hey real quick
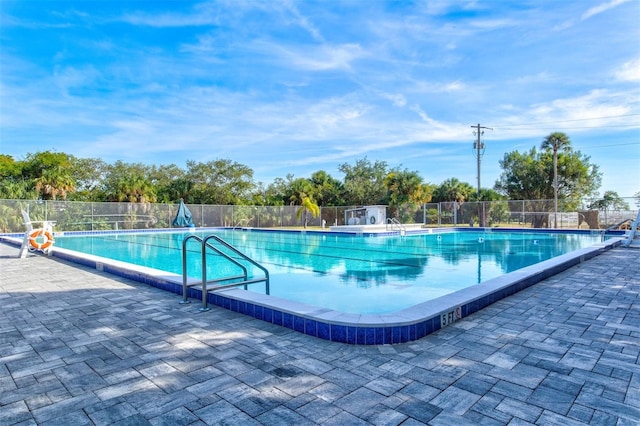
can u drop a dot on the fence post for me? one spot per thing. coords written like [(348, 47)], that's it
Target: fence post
[(455, 213)]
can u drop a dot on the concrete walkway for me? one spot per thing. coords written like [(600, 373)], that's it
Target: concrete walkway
[(80, 347)]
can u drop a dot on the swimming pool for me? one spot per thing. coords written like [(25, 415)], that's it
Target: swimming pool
[(354, 274), (351, 288)]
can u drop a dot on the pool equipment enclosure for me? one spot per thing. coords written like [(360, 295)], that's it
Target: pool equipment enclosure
[(367, 215)]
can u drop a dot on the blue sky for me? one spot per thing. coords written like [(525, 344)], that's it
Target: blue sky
[(293, 87)]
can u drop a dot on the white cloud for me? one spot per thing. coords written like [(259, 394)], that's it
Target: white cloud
[(324, 57), (603, 7), (591, 12), (70, 77), (168, 20), (630, 71), (597, 103), (541, 77), (440, 87), (303, 22), (202, 14), (493, 24), (397, 99), (598, 109)]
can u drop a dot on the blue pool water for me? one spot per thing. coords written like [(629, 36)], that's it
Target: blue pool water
[(355, 274)]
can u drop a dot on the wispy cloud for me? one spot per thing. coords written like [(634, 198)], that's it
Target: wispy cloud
[(597, 103), (397, 99), (589, 13), (303, 21), (541, 77), (493, 24), (202, 14), (322, 58), (603, 7), (439, 87), (629, 71), (597, 110)]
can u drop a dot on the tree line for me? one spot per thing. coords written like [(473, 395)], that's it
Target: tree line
[(554, 170)]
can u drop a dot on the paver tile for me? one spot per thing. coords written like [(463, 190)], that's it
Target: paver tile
[(418, 410), (519, 409)]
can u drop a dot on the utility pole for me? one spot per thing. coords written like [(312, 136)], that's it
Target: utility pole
[(478, 146)]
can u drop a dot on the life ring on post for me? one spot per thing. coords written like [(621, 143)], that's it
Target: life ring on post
[(372, 220), (46, 237)]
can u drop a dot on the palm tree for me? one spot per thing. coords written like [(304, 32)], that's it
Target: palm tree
[(54, 182), (453, 190), (555, 142), (307, 206), (406, 192)]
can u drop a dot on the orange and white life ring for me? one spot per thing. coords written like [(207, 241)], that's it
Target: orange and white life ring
[(44, 235)]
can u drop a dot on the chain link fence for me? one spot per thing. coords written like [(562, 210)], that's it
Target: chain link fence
[(90, 216), (521, 214)]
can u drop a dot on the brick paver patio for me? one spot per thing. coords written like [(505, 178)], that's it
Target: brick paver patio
[(80, 347)]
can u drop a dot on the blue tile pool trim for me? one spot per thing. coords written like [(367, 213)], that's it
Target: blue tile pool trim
[(399, 327)]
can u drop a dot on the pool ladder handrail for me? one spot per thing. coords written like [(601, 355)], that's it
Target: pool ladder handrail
[(395, 223), (244, 276), (631, 236), (239, 223)]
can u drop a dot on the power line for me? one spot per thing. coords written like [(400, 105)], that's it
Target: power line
[(521, 127), (618, 144), (570, 121), (587, 143)]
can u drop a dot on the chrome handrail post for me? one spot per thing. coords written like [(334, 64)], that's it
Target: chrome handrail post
[(184, 268), (204, 277)]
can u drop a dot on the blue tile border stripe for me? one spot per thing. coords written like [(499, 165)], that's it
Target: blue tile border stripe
[(404, 326)]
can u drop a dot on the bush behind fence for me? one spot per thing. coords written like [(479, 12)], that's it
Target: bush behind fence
[(87, 216)]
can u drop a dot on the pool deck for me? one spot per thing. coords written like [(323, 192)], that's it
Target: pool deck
[(78, 346)]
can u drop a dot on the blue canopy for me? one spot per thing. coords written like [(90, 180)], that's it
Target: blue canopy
[(183, 218)]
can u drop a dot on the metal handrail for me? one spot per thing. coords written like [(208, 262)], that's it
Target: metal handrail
[(237, 225), (204, 245), (633, 231), (204, 270), (395, 222), (241, 254), (184, 266), (603, 232)]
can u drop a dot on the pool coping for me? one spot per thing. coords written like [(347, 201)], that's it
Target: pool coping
[(402, 326)]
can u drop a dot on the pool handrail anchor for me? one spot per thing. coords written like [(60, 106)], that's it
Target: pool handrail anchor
[(46, 230), (243, 277)]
